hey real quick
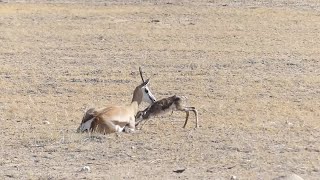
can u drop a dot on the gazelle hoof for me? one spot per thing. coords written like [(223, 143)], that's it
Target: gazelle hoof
[(128, 130)]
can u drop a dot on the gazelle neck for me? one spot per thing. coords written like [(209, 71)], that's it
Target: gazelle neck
[(137, 95), (135, 106), (136, 99)]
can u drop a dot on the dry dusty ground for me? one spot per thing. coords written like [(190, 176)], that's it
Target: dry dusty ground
[(251, 68)]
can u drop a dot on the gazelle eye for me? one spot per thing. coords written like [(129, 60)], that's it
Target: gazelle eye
[(146, 90)]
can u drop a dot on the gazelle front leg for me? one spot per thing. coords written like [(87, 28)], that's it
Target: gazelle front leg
[(130, 128), (142, 116), (139, 118), (142, 123)]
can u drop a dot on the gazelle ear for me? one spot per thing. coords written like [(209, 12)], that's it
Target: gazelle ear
[(146, 82)]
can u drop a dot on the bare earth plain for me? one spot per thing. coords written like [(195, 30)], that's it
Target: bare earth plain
[(252, 69)]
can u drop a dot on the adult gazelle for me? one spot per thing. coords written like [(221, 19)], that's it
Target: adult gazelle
[(117, 118)]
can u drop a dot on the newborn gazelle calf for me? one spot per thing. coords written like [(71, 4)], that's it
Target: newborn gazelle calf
[(170, 104)]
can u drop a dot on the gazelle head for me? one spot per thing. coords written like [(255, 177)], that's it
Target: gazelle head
[(143, 92), (147, 96), (87, 120)]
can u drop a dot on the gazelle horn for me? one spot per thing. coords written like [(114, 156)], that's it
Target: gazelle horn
[(140, 70)]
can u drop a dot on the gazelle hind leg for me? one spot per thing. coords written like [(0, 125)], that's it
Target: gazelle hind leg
[(108, 127), (187, 109), (196, 114)]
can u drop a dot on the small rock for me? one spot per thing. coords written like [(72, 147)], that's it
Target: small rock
[(85, 169), (289, 123), (155, 21), (9, 175), (233, 178), (179, 170), (46, 122)]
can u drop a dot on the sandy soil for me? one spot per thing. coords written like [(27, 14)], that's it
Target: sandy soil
[(251, 68)]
